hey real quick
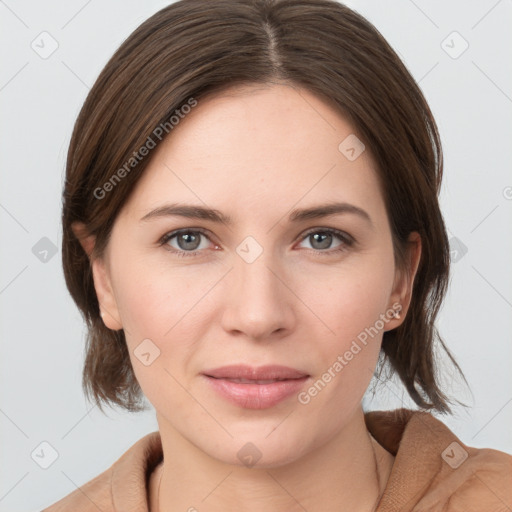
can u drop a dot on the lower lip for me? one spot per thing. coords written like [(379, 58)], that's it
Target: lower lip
[(256, 396)]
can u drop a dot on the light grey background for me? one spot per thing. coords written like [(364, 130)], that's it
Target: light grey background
[(41, 330)]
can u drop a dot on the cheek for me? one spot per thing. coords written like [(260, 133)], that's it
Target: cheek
[(352, 299), (154, 309), (154, 299), (163, 306), (351, 309)]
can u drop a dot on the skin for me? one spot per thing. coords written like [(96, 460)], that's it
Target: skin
[(256, 153)]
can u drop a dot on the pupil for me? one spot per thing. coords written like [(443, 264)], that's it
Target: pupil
[(189, 239), (322, 238)]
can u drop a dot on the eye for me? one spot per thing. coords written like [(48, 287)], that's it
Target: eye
[(322, 239), (188, 242)]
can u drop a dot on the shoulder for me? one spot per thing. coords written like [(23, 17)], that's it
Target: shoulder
[(482, 481), (90, 497), (434, 470), (122, 486)]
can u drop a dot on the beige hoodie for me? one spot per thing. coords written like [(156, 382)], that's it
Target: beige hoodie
[(433, 471)]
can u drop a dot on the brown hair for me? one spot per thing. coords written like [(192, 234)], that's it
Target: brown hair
[(196, 47)]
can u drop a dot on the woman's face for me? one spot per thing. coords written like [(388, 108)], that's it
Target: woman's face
[(271, 286)]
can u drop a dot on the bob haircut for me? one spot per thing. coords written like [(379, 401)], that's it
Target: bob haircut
[(194, 48)]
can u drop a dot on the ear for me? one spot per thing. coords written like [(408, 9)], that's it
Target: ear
[(102, 282), (404, 280)]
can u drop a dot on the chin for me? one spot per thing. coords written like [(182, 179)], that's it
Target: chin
[(260, 450)]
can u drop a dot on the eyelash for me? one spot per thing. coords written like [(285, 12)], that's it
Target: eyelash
[(347, 240)]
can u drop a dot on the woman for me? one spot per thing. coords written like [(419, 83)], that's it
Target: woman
[(251, 225)]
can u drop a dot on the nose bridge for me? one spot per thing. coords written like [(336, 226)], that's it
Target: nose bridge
[(257, 279), (258, 303)]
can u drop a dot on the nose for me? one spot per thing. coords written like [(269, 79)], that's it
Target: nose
[(258, 302)]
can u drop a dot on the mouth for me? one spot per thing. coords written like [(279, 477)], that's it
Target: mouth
[(250, 381), (255, 388), (249, 373)]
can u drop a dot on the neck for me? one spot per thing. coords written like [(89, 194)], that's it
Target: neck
[(347, 473)]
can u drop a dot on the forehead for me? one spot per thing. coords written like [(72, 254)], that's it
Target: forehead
[(258, 149)]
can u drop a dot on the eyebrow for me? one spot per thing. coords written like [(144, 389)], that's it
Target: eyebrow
[(297, 215)]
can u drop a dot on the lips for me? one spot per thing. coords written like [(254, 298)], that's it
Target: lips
[(251, 381), (255, 388), (269, 373)]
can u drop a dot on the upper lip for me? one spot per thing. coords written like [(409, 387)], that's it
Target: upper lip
[(269, 372)]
